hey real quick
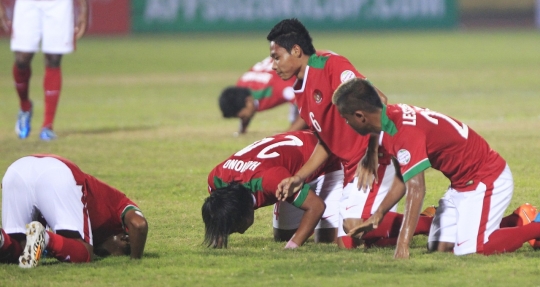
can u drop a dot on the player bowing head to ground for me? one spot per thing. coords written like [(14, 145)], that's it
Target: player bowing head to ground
[(84, 214), (469, 215), (259, 89), (248, 179)]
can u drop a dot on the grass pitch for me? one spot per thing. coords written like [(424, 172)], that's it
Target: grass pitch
[(141, 114)]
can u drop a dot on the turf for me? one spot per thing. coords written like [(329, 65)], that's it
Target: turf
[(141, 113)]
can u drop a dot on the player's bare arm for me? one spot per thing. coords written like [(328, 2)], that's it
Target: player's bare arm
[(367, 167), (290, 185), (4, 21), (298, 124), (416, 190), (395, 194), (82, 19), (314, 208), (137, 230)]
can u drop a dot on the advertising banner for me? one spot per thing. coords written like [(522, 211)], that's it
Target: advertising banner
[(246, 15)]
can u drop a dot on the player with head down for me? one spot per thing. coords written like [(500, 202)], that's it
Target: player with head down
[(470, 214), (84, 214), (259, 89), (318, 75), (247, 180)]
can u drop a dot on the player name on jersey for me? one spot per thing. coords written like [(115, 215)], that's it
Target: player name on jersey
[(240, 165)]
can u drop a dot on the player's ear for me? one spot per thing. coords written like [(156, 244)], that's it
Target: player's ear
[(360, 115), (296, 51)]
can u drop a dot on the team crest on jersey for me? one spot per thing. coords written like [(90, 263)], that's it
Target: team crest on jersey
[(347, 75), (317, 96), (403, 156)]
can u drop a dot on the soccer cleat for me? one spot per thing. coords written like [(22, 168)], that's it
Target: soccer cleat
[(47, 134), (429, 211), (35, 245), (527, 213), (22, 127)]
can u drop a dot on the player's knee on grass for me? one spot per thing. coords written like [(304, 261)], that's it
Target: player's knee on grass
[(326, 235), (439, 246)]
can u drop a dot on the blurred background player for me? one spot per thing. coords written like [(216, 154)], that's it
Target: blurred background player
[(247, 180), (259, 89), (85, 215), (469, 216), (52, 23)]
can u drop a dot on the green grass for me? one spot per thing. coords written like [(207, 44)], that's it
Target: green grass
[(141, 113)]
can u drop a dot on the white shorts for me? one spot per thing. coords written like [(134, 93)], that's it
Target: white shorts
[(44, 185), (469, 218), (47, 21), (363, 203), (328, 187)]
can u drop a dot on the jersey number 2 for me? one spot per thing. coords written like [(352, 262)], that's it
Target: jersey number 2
[(265, 152)]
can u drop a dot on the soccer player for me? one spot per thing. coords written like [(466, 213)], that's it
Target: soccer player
[(247, 180), (469, 215), (318, 75), (84, 214), (259, 89), (51, 23)]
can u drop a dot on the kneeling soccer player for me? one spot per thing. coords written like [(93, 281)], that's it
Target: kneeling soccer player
[(248, 180), (84, 214)]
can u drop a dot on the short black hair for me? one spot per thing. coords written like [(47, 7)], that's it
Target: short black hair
[(232, 100), (290, 32), (223, 210), (356, 94)]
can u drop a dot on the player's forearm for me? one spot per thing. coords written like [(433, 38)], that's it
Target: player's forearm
[(413, 203), (318, 157), (138, 230), (298, 124), (313, 210)]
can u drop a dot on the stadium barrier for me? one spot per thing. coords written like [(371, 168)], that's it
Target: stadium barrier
[(246, 15)]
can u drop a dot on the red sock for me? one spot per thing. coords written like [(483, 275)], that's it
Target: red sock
[(67, 249), (391, 224), (511, 220), (348, 242), (22, 81), (52, 84), (11, 250), (511, 239)]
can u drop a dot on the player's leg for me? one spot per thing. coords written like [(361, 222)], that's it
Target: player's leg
[(286, 219), (62, 203), (26, 35), (57, 40), (329, 188), (358, 204), (17, 208)]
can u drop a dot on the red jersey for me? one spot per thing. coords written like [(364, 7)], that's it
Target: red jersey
[(106, 205), (262, 165), (323, 74), (267, 88), (420, 138)]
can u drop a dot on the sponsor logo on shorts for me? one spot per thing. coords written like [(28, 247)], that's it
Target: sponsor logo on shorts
[(349, 207), (347, 75), (462, 242), (403, 156)]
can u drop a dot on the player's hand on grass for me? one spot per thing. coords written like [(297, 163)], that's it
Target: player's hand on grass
[(366, 226), (402, 252), (288, 187), (367, 171)]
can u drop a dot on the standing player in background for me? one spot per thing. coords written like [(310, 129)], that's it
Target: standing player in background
[(247, 180), (259, 89), (317, 77), (52, 23), (85, 214), (470, 214)]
